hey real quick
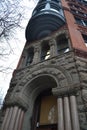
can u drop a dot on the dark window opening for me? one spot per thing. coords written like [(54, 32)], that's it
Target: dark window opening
[(62, 44), (81, 21), (73, 11), (30, 56), (85, 39), (45, 51)]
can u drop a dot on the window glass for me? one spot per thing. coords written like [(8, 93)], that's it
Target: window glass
[(85, 39), (62, 45), (81, 21), (30, 56), (45, 51)]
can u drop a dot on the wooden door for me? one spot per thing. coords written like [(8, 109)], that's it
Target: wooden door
[(45, 113)]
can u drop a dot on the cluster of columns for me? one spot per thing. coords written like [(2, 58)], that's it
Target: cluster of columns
[(67, 113), (13, 119)]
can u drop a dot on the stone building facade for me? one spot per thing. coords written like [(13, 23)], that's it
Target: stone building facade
[(48, 89)]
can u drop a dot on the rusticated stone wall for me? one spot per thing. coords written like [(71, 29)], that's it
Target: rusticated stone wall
[(81, 64), (69, 75)]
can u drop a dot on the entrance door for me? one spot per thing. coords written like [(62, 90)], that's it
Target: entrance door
[(45, 113)]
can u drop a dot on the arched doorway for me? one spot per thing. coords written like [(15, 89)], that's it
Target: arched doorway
[(35, 90)]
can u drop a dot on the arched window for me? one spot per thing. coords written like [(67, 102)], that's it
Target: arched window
[(62, 44), (45, 51), (30, 55)]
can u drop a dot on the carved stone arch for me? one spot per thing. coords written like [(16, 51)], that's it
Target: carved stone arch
[(33, 89), (26, 92), (52, 70), (38, 85), (61, 77), (59, 74)]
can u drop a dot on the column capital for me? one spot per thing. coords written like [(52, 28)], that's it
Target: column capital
[(69, 90), (36, 48), (16, 101), (52, 42)]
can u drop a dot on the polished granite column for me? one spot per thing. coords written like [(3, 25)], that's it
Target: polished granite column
[(17, 119), (13, 119), (60, 114), (67, 118), (5, 119), (21, 120), (74, 113)]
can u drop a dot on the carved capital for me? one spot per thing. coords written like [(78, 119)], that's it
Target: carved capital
[(17, 100), (69, 90), (52, 42), (36, 49)]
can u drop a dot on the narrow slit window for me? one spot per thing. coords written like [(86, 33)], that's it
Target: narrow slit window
[(30, 56), (62, 44), (45, 51), (85, 39)]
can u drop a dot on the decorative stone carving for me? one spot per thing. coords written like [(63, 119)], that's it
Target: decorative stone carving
[(24, 87), (61, 72)]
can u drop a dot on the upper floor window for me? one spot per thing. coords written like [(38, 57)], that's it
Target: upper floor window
[(30, 56), (85, 39), (78, 12), (45, 51), (62, 44), (81, 21)]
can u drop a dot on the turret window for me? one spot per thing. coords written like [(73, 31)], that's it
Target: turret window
[(81, 21), (85, 39), (45, 51), (30, 56), (62, 44)]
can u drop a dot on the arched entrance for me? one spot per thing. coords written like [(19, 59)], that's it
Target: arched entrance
[(39, 92)]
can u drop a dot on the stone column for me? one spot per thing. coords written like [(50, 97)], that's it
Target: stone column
[(8, 118), (13, 118), (53, 47), (36, 57), (67, 118), (74, 113), (21, 120), (17, 120), (60, 114), (5, 119)]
